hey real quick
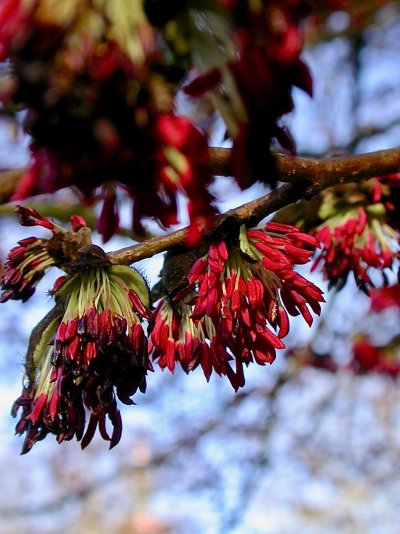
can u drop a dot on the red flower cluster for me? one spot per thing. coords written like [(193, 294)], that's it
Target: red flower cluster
[(94, 353), (385, 297), (354, 241), (180, 160), (269, 42), (26, 264), (100, 112), (367, 358), (256, 79), (237, 303)]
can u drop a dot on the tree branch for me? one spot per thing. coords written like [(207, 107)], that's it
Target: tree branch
[(307, 177), (341, 168)]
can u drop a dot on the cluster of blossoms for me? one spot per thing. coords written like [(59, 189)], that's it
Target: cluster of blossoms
[(91, 348), (356, 235), (251, 68), (100, 111), (91, 353), (26, 263), (368, 358), (269, 41), (385, 297), (237, 304), (98, 82)]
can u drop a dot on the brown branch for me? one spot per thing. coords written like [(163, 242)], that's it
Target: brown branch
[(308, 177), (250, 213), (340, 168)]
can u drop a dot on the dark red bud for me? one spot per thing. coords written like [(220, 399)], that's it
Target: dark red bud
[(38, 407)]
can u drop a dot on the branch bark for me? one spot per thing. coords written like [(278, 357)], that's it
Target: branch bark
[(337, 169), (306, 176)]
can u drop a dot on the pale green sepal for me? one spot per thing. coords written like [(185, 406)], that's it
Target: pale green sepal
[(133, 280), (327, 210), (376, 210), (244, 243), (45, 339)]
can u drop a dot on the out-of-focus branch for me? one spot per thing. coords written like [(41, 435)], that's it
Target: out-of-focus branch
[(8, 182), (157, 460), (308, 177), (370, 131), (267, 394), (363, 133)]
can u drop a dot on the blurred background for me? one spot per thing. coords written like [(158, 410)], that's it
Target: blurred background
[(308, 446)]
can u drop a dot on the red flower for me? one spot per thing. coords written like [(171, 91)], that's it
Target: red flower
[(178, 165), (252, 71), (354, 241), (26, 264), (385, 297), (86, 359), (268, 66), (368, 358), (237, 303), (13, 25), (177, 338), (99, 115)]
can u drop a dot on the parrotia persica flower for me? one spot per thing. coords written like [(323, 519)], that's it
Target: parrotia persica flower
[(237, 304), (353, 240), (248, 54), (26, 263), (100, 110), (269, 42), (98, 80), (93, 352), (369, 358), (385, 297)]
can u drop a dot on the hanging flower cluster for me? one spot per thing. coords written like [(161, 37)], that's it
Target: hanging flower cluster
[(268, 65), (356, 234), (26, 263), (385, 297), (248, 55), (368, 358), (93, 352), (100, 111), (99, 79), (237, 304)]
